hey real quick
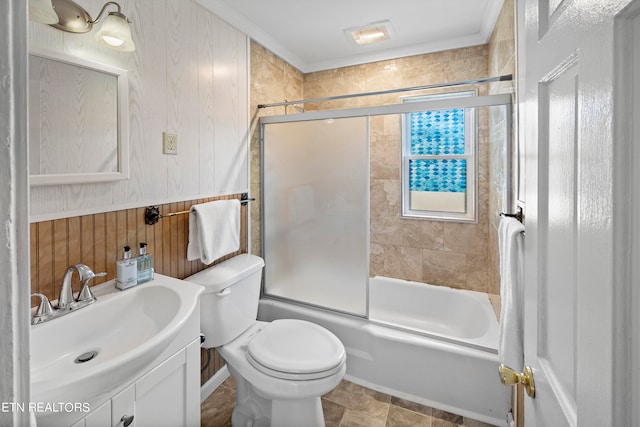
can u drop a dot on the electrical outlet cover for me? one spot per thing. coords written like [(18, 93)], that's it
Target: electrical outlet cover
[(169, 143)]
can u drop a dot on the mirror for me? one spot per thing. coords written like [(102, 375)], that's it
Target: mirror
[(78, 120)]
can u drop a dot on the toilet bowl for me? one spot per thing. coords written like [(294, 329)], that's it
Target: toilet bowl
[(282, 367)]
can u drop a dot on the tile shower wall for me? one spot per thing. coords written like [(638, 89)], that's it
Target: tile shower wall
[(440, 253), (97, 240), (272, 80), (501, 62)]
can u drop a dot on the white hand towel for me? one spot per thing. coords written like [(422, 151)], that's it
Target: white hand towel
[(511, 245), (214, 230)]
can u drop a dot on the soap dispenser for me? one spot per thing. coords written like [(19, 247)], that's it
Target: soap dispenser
[(126, 271), (145, 267)]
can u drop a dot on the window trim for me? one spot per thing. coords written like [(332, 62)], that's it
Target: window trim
[(471, 157)]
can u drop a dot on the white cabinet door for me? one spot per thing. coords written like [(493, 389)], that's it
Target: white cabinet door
[(123, 407), (169, 395), (160, 395), (99, 417)]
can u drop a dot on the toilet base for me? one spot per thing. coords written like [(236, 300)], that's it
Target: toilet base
[(254, 410)]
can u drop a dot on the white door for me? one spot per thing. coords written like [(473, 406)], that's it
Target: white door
[(566, 54)]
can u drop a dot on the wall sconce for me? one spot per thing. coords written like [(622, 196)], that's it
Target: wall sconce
[(71, 17)]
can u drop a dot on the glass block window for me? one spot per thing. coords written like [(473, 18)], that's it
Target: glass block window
[(438, 162)]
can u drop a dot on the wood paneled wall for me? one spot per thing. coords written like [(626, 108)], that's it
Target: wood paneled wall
[(188, 76), (97, 241)]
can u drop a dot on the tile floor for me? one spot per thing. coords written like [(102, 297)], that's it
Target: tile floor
[(348, 405)]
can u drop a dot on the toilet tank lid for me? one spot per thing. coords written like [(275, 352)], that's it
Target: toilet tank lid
[(228, 272)]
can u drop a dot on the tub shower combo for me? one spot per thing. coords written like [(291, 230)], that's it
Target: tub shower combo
[(430, 344)]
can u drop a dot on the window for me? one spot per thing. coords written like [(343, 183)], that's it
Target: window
[(439, 162)]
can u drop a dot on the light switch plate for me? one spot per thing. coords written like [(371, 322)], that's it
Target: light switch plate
[(169, 143)]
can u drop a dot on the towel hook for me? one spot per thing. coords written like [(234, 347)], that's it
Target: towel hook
[(519, 215)]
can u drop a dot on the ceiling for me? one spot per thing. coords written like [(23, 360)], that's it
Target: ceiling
[(309, 34)]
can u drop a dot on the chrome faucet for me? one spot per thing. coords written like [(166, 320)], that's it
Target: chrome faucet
[(66, 301), (44, 312)]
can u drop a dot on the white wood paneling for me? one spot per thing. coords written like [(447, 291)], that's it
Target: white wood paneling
[(147, 106), (206, 106), (182, 95), (230, 82), (188, 76)]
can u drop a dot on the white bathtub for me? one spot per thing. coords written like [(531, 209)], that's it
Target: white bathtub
[(429, 344)]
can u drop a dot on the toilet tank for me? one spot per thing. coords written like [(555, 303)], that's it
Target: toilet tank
[(229, 304)]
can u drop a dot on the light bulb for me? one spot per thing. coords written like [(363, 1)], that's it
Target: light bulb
[(113, 41), (115, 33)]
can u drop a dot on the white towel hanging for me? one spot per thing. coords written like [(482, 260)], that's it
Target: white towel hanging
[(214, 230), (511, 245)]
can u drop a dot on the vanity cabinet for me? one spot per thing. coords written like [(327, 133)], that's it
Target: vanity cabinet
[(97, 418), (167, 395)]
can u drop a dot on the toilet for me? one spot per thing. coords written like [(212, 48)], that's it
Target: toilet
[(281, 368)]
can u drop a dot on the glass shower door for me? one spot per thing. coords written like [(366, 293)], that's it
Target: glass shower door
[(315, 230)]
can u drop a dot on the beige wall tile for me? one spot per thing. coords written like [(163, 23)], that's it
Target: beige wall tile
[(444, 268), (423, 234), (272, 80), (376, 259), (465, 238), (385, 229), (442, 253), (385, 196), (478, 272), (403, 262)]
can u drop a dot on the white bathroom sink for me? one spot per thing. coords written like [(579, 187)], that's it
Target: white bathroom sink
[(127, 330)]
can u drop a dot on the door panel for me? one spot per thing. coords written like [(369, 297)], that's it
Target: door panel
[(566, 98), (557, 293)]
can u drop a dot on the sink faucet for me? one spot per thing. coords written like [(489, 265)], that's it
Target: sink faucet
[(44, 312), (66, 301)]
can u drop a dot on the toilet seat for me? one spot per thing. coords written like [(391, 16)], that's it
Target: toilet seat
[(295, 350)]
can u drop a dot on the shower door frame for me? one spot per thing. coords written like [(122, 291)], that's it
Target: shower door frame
[(381, 110)]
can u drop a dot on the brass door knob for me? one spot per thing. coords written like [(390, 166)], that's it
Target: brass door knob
[(510, 377)]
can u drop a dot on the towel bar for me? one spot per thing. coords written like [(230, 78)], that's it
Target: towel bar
[(152, 213)]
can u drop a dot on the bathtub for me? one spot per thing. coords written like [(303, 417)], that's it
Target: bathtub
[(428, 344)]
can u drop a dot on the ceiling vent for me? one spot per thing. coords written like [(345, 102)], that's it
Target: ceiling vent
[(370, 33)]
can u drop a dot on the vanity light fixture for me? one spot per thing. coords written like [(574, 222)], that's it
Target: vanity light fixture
[(114, 32), (370, 33)]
